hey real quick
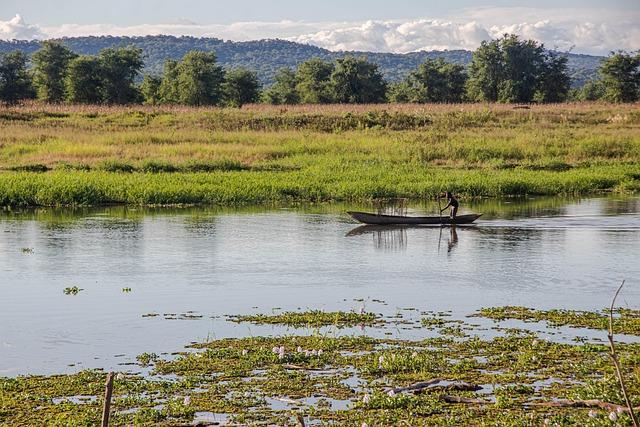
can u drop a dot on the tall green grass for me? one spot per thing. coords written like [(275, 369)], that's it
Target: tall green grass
[(142, 155), (354, 184)]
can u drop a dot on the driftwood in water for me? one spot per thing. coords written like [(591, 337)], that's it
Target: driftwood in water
[(592, 403), (432, 385)]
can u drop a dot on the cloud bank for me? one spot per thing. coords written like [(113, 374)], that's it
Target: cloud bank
[(585, 30)]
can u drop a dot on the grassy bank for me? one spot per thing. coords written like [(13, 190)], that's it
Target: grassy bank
[(519, 377), (142, 155)]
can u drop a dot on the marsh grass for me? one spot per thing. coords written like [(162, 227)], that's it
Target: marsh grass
[(258, 154), (243, 377)]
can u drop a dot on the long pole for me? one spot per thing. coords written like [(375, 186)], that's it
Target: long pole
[(108, 391)]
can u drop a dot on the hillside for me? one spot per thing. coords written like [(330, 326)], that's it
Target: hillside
[(267, 56)]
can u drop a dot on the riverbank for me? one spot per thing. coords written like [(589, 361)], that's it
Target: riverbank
[(68, 155)]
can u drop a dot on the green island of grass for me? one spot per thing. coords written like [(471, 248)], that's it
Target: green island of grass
[(313, 318), (97, 155), (625, 321)]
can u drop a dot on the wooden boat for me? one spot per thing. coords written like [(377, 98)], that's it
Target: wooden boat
[(369, 218)]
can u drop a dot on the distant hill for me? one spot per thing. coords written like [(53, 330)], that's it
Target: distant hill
[(267, 56)]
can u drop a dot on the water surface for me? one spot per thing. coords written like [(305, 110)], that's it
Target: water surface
[(187, 268)]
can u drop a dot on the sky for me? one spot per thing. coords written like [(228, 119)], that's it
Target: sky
[(584, 26)]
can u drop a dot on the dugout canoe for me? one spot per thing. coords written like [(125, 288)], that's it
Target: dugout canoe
[(375, 219)]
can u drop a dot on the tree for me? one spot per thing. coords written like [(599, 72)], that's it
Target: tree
[(240, 87), (313, 84), (169, 90), (283, 91), (357, 81), (150, 89), (83, 81), (486, 72), (523, 63), (50, 69), (621, 77), (508, 70), (593, 90), (437, 81), (118, 69), (15, 81), (399, 92), (199, 79), (554, 81)]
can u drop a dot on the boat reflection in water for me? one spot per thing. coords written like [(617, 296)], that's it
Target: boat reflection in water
[(394, 237)]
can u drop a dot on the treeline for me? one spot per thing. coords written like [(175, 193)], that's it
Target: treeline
[(507, 70)]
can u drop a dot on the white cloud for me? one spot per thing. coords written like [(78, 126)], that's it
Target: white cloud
[(595, 31), (16, 28)]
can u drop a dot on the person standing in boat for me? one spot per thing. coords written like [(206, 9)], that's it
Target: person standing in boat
[(452, 203)]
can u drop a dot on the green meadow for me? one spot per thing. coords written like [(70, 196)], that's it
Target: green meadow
[(96, 155)]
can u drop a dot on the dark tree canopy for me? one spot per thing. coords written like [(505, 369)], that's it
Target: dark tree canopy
[(119, 69), (357, 81), (199, 79), (437, 81), (312, 79), (240, 87), (513, 70), (50, 66), (621, 77), (84, 80), (283, 91), (150, 89), (15, 82)]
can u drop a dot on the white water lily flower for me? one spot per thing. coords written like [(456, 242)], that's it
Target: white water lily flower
[(592, 414), (366, 399), (299, 349), (414, 354), (187, 401), (120, 376), (381, 359), (391, 393), (364, 425), (613, 416), (547, 421), (275, 349), (314, 352), (620, 410), (307, 353), (245, 352), (320, 352)]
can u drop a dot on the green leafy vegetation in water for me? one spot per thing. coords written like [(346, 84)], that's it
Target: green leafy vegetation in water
[(625, 321), (126, 290), (313, 318), (160, 156), (72, 290), (506, 380), (27, 250)]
